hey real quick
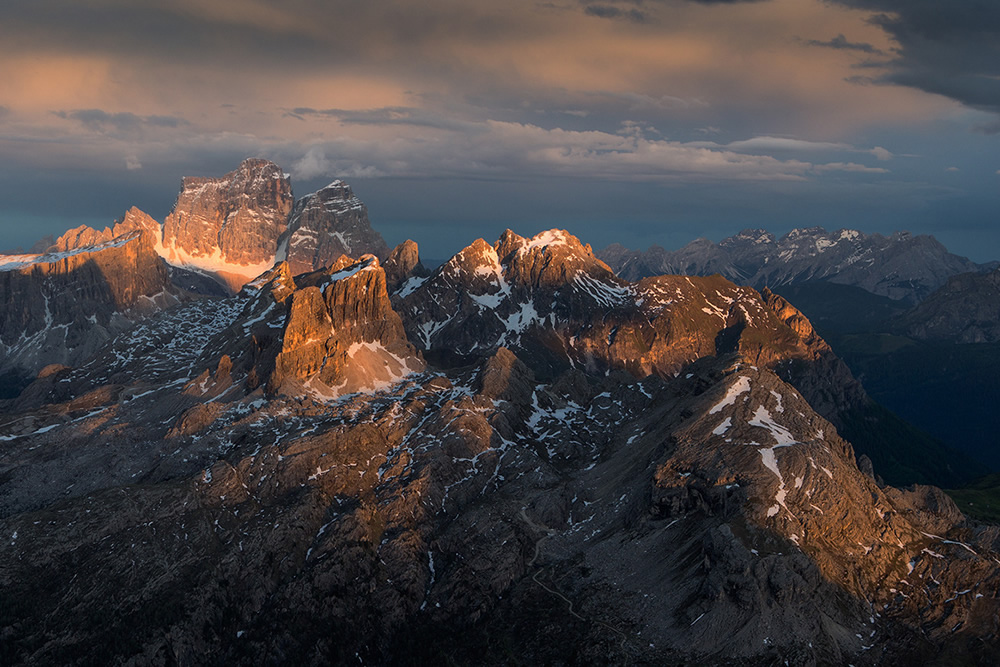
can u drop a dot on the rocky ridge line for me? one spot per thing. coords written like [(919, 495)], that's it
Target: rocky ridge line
[(901, 266)]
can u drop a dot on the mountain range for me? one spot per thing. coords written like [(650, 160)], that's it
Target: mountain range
[(519, 457), (901, 266), (220, 234)]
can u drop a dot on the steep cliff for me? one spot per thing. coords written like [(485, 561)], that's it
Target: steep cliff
[(326, 225), (61, 306)]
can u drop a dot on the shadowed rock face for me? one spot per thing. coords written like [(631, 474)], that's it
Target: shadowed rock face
[(60, 307), (706, 518), (326, 225), (965, 310), (403, 264), (901, 266)]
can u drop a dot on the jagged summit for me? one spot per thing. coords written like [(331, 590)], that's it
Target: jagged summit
[(552, 300), (61, 306), (901, 266), (235, 227), (229, 226), (966, 309), (290, 436), (747, 237), (327, 224)]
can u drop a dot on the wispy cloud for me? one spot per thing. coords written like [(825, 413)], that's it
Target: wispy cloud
[(849, 166), (609, 12), (782, 145), (382, 116), (841, 42), (512, 150), (122, 122)]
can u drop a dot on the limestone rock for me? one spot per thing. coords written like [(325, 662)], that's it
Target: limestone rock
[(60, 307), (326, 225), (230, 225), (403, 264), (706, 515), (335, 331)]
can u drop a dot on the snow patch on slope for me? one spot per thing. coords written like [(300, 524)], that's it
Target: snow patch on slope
[(741, 386)]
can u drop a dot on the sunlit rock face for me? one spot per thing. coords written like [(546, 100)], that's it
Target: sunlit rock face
[(551, 298), (83, 236), (61, 306), (230, 225), (342, 335), (233, 228), (402, 264), (240, 224)]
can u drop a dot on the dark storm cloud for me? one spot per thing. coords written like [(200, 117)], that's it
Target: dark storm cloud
[(841, 42), (724, 2), (609, 12), (947, 48), (124, 123), (309, 34)]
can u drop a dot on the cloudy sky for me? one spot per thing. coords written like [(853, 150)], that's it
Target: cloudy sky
[(638, 121)]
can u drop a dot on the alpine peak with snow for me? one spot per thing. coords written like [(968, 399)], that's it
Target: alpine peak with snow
[(255, 434), (900, 266)]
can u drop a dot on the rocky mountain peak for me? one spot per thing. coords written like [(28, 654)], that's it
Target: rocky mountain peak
[(902, 267), (62, 305), (135, 218), (552, 257), (80, 237), (748, 238), (84, 236), (341, 336), (292, 436), (402, 264), (800, 232), (795, 320), (229, 226), (964, 310), (278, 282), (233, 228), (325, 225)]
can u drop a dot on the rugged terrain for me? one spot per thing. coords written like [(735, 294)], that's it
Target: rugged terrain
[(61, 306), (518, 458), (228, 482), (232, 228), (901, 266), (936, 364), (965, 310)]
